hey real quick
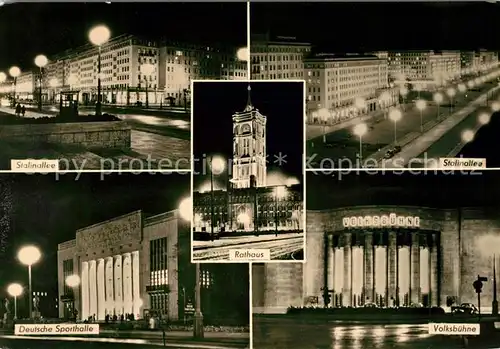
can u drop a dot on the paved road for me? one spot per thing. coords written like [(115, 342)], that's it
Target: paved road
[(277, 334), (173, 125), (16, 342), (283, 245), (345, 145)]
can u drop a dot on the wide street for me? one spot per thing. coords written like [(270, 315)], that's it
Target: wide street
[(342, 144), (282, 246), (160, 141), (298, 334)]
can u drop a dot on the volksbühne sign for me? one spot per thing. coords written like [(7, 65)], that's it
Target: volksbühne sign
[(390, 220)]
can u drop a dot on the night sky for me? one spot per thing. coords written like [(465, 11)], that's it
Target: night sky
[(356, 26), (214, 103), (29, 29), (46, 212), (419, 188)]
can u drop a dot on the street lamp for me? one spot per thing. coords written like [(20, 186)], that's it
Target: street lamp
[(3, 77), (360, 130), (147, 70), (15, 290), (395, 115), (484, 118), (40, 61), (14, 72), (29, 255), (186, 213), (451, 94), (242, 54), (279, 193), (438, 99), (470, 83), (467, 136), (421, 105), (98, 36), (73, 281), (218, 165), (462, 88)]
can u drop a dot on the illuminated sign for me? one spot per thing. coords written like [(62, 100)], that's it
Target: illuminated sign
[(390, 220)]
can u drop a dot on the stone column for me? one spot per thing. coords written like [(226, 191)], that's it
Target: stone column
[(415, 268), (331, 263), (392, 285), (118, 285), (110, 290), (127, 284), (434, 287), (136, 286), (85, 291), (347, 290), (369, 270), (93, 287), (101, 289)]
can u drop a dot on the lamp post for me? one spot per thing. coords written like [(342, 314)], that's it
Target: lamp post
[(14, 72), (438, 99), (40, 61), (451, 92), (360, 130), (73, 281), (279, 193), (29, 255), (98, 36), (147, 70), (186, 214), (3, 77), (243, 54), (421, 105), (216, 164), (395, 115), (15, 290)]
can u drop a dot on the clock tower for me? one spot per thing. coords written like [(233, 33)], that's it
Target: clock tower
[(249, 147)]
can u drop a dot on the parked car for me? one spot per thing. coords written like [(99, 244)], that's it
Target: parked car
[(465, 308)]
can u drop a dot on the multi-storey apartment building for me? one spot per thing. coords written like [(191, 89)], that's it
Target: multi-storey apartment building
[(346, 86), (277, 58), (424, 69), (132, 67)]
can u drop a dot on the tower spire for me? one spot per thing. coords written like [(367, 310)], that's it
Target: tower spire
[(249, 106)]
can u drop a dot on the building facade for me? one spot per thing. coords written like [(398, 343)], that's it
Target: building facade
[(249, 147), (127, 265), (342, 87), (277, 58), (133, 68), (268, 208), (424, 69), (390, 256)]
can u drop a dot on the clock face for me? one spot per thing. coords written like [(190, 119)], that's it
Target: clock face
[(246, 128)]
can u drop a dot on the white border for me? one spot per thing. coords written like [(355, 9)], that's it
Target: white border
[(249, 64), (303, 183), (250, 297)]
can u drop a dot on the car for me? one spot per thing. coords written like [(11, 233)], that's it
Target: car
[(370, 305), (389, 154), (465, 308), (397, 149)]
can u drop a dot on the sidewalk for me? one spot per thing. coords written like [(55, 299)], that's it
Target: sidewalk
[(224, 242), (419, 145)]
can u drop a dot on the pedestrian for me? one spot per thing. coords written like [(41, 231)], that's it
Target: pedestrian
[(18, 109), (23, 110)]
